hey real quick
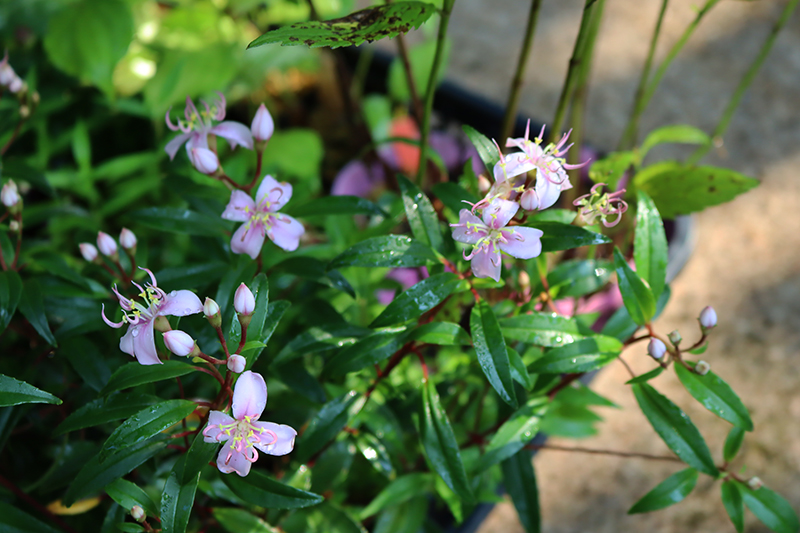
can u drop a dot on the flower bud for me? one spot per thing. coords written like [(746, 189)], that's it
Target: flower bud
[(675, 337), (17, 86), (524, 280), (708, 318), (211, 310), (656, 348), (106, 244), (754, 483), (13, 225), (702, 368), (137, 513), (88, 251), (263, 126), (243, 301), (9, 194), (236, 363), (484, 184), (127, 239), (204, 160), (179, 343), (529, 201)]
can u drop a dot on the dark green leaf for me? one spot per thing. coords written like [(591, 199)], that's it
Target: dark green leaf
[(372, 24), (441, 333), (670, 491), (274, 315), (453, 196), (192, 275), (336, 205), (406, 517), (516, 432), (259, 489), (128, 494), (31, 305), (519, 479), (420, 214), (611, 168), (321, 338), (104, 410), (636, 295), (650, 244), (770, 507), (375, 453), (541, 329), (675, 428), (240, 521), (12, 520), (198, 456), (398, 491), (87, 360), (15, 392), (519, 372), (678, 133), (733, 443), (333, 416), (679, 189), (647, 376), (386, 251), (315, 270), (10, 292), (734, 505), (367, 351), (418, 299), (620, 326), (295, 376), (579, 277), (486, 149), (180, 220), (490, 346), (716, 396), (559, 236), (579, 356), (133, 374), (177, 500)]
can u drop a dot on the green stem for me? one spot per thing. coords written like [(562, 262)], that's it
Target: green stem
[(744, 84), (628, 139), (519, 75), (425, 127)]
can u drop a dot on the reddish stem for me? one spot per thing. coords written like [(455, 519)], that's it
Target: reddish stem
[(36, 505)]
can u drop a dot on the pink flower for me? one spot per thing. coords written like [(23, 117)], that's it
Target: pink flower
[(203, 160), (139, 340), (88, 251), (199, 125), (106, 244), (490, 236), (243, 300), (9, 78), (243, 432), (261, 218)]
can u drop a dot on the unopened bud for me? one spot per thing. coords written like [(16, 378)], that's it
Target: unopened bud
[(702, 368), (656, 348), (263, 126), (675, 337), (161, 324), (14, 225), (106, 244), (211, 310), (243, 301), (754, 483), (236, 363), (204, 160), (137, 513), (529, 201), (484, 184), (179, 342), (9, 195), (524, 280), (708, 318), (24, 111), (88, 251), (127, 239)]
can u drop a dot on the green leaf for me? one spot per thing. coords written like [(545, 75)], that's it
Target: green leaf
[(386, 251), (734, 505), (490, 346), (453, 196), (104, 410), (516, 432), (421, 216), (733, 442), (441, 333), (439, 443), (128, 494), (180, 220), (770, 507), (541, 329), (94, 475), (418, 299), (259, 489), (87, 360), (240, 521), (678, 133), (611, 168), (579, 356), (519, 479), (336, 205), (579, 277), (10, 292), (669, 492), (485, 147), (375, 453), (519, 372), (12, 520), (87, 38), (716, 396), (650, 244), (647, 376), (330, 420), (200, 453), (398, 491), (559, 236), (31, 305), (620, 326), (679, 189), (177, 500), (320, 338), (368, 351), (675, 428), (636, 295), (372, 24), (15, 392), (145, 424), (133, 374), (275, 313), (406, 517)]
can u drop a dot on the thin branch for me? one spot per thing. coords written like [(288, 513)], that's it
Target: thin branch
[(596, 451)]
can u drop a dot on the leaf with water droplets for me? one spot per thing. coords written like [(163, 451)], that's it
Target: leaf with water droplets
[(541, 329), (385, 251), (133, 374), (419, 298), (669, 492), (259, 489), (515, 433), (420, 214), (716, 396), (490, 347), (579, 356)]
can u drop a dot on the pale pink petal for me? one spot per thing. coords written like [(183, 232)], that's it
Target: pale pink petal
[(197, 139), (248, 239), (499, 213), (175, 144), (272, 195), (106, 320), (229, 460), (240, 207), (144, 343), (547, 191), (249, 396), (486, 263), (470, 230), (235, 133), (126, 342), (181, 303), (512, 165), (523, 243), (286, 232), (278, 439), (212, 432)]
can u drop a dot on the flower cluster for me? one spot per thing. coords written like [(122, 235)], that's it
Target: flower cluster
[(601, 205), (108, 246)]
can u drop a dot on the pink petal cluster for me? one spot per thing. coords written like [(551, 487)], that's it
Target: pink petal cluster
[(139, 340), (9, 78), (261, 218), (243, 433)]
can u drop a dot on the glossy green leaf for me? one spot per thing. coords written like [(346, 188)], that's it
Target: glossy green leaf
[(650, 244), (611, 168), (519, 372), (336, 205), (398, 491), (579, 356), (636, 295), (375, 453), (384, 21), (490, 347), (320, 338), (31, 305), (192, 275), (453, 196), (678, 133), (418, 299), (240, 521), (647, 376), (734, 505), (420, 214), (145, 424), (406, 517), (439, 443), (621, 326), (259, 489), (669, 492), (128, 494), (328, 422), (177, 499), (368, 351), (579, 277), (133, 374), (771, 508), (486, 149), (385, 251), (275, 313), (87, 360), (716, 396), (733, 443), (679, 189), (13, 520), (541, 329), (15, 392), (675, 428), (315, 270), (441, 333), (200, 453), (104, 410), (180, 220), (295, 376), (519, 479), (515, 432), (10, 292)]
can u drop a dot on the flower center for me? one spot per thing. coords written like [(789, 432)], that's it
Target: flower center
[(153, 298), (245, 435)]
